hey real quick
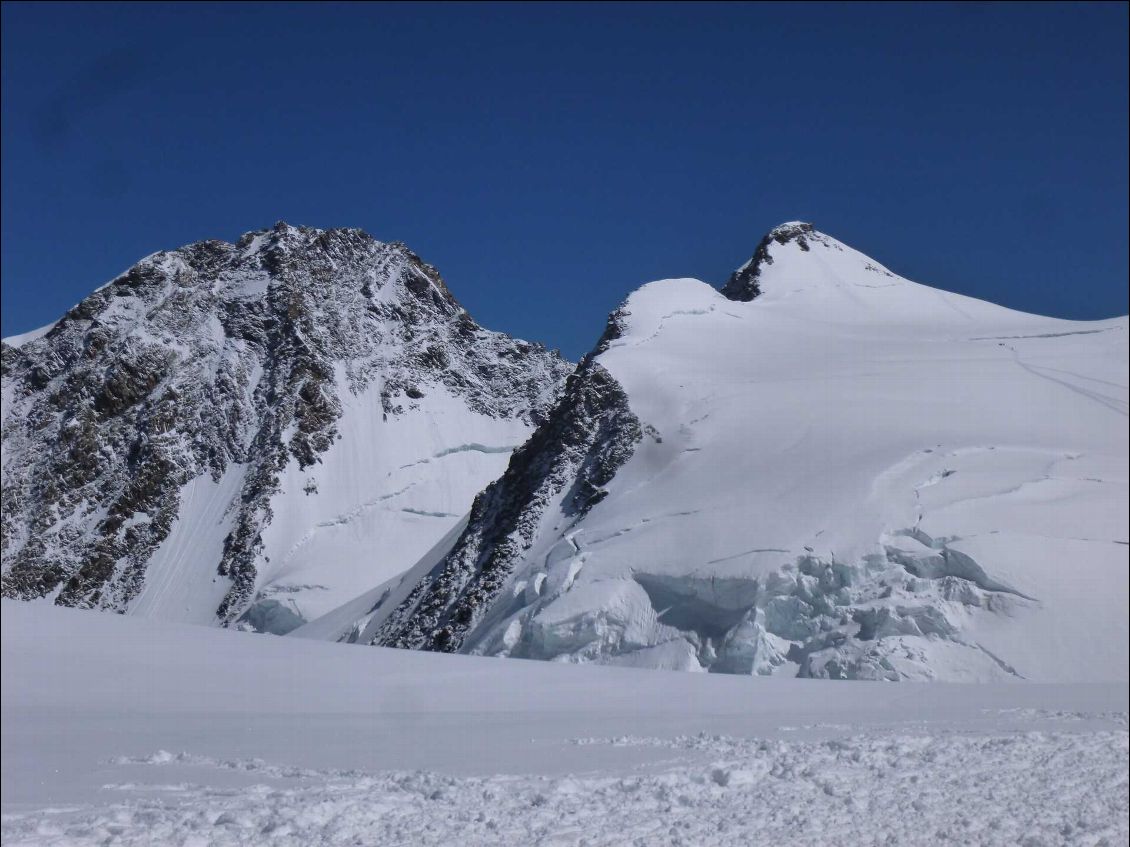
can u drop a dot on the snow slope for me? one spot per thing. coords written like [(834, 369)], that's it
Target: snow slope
[(120, 730), (254, 432), (825, 470)]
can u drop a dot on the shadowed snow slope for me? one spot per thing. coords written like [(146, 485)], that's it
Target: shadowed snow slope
[(826, 471), (120, 730), (254, 432)]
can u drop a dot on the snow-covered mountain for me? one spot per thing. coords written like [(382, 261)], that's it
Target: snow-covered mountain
[(824, 470), (254, 432)]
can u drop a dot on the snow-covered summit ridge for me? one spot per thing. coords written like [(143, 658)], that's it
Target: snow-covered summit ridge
[(744, 282), (267, 425), (824, 281), (267, 250), (811, 255)]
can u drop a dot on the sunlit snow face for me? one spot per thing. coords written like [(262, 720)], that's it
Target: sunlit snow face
[(790, 445)]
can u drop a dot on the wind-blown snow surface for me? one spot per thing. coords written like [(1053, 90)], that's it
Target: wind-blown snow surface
[(128, 731), (848, 475)]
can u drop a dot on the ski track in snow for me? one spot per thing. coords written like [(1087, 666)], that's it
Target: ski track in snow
[(1027, 787), (1115, 404), (1041, 335)]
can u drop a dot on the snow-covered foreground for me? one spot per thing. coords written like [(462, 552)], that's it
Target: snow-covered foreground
[(129, 731)]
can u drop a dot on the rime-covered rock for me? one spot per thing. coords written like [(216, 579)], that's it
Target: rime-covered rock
[(255, 430)]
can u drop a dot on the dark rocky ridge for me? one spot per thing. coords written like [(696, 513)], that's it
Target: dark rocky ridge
[(745, 283), (587, 437), (216, 355)]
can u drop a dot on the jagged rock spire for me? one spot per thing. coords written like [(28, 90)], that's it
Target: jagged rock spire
[(744, 284)]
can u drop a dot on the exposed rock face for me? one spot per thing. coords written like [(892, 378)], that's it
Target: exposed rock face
[(588, 436), (745, 283), (218, 359)]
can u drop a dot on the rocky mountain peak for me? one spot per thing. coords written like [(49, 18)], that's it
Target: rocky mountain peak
[(790, 231), (745, 283), (216, 358)]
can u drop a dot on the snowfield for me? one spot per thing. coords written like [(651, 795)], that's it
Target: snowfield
[(127, 731)]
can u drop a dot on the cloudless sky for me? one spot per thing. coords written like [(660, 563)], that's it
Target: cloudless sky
[(549, 159)]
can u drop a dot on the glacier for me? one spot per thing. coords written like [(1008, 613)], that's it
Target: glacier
[(823, 470)]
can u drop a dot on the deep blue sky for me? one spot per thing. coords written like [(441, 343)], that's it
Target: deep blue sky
[(549, 159)]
